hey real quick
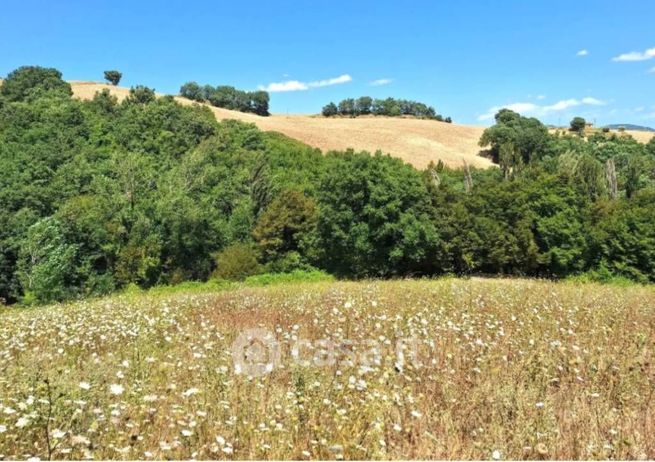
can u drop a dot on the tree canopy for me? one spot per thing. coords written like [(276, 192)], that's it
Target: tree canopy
[(98, 195), (228, 97)]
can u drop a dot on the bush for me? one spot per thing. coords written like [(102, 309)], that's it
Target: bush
[(283, 278), (236, 262)]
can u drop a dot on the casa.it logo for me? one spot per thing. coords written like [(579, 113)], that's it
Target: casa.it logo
[(256, 352)]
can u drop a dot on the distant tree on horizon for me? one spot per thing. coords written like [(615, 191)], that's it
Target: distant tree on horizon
[(113, 77), (578, 125), (330, 110)]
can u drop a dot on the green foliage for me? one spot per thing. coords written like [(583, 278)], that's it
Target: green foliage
[(528, 136), (31, 81), (288, 278), (578, 125), (286, 225), (113, 77), (46, 263), (228, 97), (330, 110), (373, 217), (99, 195), (141, 95), (236, 262), (365, 105)]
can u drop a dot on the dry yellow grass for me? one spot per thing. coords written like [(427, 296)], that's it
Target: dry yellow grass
[(507, 369), (415, 141), (639, 135)]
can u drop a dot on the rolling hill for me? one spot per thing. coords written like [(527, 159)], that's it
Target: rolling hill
[(415, 141)]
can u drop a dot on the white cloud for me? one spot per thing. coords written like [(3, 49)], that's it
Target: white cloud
[(636, 55), (561, 105), (582, 52), (345, 78), (537, 110), (540, 97), (593, 101), (295, 85), (522, 108), (380, 82), (290, 85)]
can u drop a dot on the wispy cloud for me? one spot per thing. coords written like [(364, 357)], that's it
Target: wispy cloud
[(539, 110), (380, 82), (651, 70), (296, 85), (583, 52), (636, 55)]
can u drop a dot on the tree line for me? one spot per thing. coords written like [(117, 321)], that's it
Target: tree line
[(228, 97), (365, 105), (99, 195)]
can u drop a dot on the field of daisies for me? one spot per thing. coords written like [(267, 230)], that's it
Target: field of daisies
[(496, 369)]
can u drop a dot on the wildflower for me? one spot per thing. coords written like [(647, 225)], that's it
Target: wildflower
[(416, 414), (3, 428), (496, 455), (190, 392), (539, 404), (80, 440), (220, 440), (186, 433), (228, 450), (116, 389), (58, 434), (22, 422), (85, 386)]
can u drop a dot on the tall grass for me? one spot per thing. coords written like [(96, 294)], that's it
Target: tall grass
[(511, 369)]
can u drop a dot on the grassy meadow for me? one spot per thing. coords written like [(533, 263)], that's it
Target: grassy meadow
[(505, 369)]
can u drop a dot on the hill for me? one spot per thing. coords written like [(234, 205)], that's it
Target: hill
[(415, 141), (630, 127)]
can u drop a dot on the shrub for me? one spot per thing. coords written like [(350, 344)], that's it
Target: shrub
[(294, 276), (236, 262)]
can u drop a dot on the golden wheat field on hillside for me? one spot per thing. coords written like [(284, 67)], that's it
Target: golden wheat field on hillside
[(417, 142), (441, 369)]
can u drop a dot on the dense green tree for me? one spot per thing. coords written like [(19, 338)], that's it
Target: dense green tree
[(347, 107), (46, 263), (373, 217), (113, 77), (28, 80), (578, 125), (286, 225), (363, 105), (529, 136), (330, 110), (192, 91)]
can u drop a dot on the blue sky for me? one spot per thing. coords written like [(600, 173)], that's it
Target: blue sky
[(465, 58)]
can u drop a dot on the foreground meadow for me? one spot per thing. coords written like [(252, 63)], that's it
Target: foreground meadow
[(499, 369)]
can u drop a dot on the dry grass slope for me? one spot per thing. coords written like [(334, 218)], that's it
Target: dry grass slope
[(518, 369), (415, 141)]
